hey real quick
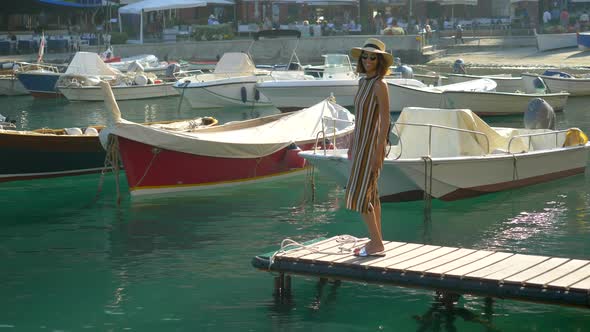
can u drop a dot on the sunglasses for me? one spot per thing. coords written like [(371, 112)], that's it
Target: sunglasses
[(366, 56)]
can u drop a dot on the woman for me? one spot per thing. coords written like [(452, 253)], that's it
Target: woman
[(371, 134)]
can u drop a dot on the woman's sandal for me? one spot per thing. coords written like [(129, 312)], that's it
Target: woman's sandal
[(362, 252)]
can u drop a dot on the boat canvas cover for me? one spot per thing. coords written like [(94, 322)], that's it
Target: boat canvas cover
[(87, 63), (245, 139), (235, 62), (449, 142), (479, 85)]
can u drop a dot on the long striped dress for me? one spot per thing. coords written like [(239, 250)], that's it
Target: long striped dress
[(361, 188)]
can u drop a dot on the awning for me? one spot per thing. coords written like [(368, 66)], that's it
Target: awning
[(580, 1), (319, 2), (516, 1), (81, 4), (153, 5), (458, 2)]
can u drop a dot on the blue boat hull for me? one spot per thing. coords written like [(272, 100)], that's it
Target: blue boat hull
[(40, 84), (584, 41)]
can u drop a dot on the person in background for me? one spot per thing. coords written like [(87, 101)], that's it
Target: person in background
[(378, 23), (584, 20), (459, 34), (555, 14), (564, 18), (267, 24), (546, 16), (369, 144), (212, 20)]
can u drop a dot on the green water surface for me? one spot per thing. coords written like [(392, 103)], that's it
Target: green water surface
[(71, 259)]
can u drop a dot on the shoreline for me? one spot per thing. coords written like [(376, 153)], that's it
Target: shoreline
[(484, 53)]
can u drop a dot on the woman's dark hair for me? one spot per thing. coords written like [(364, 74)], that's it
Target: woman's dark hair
[(381, 70)]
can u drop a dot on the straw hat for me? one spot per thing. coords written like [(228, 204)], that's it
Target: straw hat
[(373, 45)]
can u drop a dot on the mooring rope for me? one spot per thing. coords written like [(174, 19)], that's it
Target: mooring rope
[(289, 244), (514, 168), (309, 184), (155, 152), (427, 183), (111, 161)]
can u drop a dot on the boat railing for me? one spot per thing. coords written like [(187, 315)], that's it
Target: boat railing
[(430, 127), (322, 132), (37, 66), (187, 73), (529, 136)]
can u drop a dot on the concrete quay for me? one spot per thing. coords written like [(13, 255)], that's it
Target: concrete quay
[(264, 51)]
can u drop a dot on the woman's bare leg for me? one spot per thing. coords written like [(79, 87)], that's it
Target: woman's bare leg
[(376, 243)]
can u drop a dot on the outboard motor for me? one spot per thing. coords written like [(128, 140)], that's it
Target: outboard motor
[(135, 66), (397, 61), (172, 69), (405, 71), (459, 67), (539, 115)]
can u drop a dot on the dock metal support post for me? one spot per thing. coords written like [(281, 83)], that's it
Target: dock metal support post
[(287, 289), (282, 285), (277, 286)]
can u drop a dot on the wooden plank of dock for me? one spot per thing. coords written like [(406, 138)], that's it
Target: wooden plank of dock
[(555, 280)]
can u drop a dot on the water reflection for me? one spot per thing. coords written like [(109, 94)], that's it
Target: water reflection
[(445, 311), (31, 113)]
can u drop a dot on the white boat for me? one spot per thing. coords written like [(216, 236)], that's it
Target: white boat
[(554, 41), (561, 82), (232, 83), (408, 95), (504, 82), (87, 70), (338, 79), (501, 103), (480, 99), (453, 154), (121, 92), (11, 86), (149, 62)]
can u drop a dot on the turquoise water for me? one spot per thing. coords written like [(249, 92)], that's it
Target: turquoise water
[(73, 260)]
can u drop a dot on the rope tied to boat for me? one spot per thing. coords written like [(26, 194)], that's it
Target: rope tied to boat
[(347, 244), (427, 184), (514, 168), (155, 153), (111, 162), (309, 184)]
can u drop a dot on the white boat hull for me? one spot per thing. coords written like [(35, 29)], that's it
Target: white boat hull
[(298, 94), (499, 103), (401, 97), (462, 177), (546, 42), (504, 83), (480, 102), (574, 86), (394, 186), (94, 93), (224, 93), (11, 86)]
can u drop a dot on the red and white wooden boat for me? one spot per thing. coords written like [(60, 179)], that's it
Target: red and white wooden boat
[(159, 161)]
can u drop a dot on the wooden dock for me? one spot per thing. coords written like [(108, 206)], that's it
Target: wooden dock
[(562, 281)]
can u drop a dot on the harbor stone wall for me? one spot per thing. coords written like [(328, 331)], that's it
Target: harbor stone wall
[(268, 51)]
